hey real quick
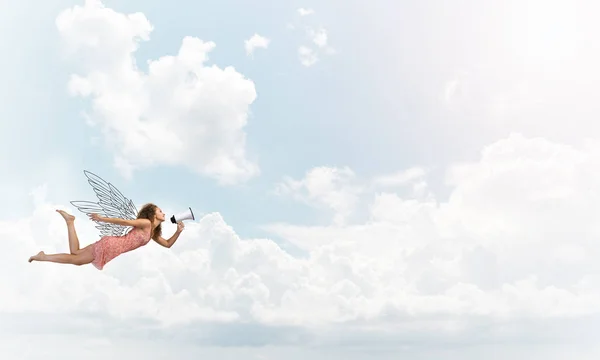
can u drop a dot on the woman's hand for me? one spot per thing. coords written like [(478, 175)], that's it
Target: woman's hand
[(95, 217), (180, 226)]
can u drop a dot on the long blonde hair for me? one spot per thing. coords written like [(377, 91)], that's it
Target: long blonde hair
[(148, 212)]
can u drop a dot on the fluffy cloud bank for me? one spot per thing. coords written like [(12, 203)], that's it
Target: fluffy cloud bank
[(515, 240), (182, 112)]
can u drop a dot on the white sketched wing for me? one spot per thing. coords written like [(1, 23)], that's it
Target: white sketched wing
[(111, 203)]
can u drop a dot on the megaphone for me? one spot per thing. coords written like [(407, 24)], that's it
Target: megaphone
[(186, 215)]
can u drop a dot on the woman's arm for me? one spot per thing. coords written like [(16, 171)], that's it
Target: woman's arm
[(117, 221), (168, 243)]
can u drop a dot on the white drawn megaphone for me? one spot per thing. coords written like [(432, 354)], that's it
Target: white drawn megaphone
[(186, 215)]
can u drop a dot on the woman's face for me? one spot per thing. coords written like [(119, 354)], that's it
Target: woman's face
[(158, 213)]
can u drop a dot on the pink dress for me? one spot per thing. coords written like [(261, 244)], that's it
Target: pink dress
[(109, 247)]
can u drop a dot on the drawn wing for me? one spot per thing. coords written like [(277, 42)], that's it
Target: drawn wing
[(111, 203)]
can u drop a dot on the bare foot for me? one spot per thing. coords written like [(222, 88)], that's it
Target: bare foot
[(68, 217), (37, 257)]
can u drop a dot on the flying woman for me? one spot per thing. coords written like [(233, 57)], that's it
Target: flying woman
[(146, 226)]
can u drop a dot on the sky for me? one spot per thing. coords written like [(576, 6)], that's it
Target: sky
[(415, 179)]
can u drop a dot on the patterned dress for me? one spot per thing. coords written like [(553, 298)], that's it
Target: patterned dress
[(109, 247)]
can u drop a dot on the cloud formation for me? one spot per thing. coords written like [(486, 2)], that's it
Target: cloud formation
[(515, 240), (255, 42), (325, 187), (182, 112), (305, 12), (309, 55)]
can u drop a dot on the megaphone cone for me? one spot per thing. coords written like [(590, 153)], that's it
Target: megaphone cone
[(186, 215)]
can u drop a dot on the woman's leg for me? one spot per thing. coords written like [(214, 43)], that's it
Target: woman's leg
[(73, 240), (84, 256)]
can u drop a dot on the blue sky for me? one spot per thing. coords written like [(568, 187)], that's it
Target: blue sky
[(300, 114), (357, 108), (373, 106), (433, 176)]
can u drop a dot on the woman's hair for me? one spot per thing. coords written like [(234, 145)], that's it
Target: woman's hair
[(147, 212)]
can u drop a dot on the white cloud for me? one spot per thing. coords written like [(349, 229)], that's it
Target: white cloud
[(307, 56), (183, 112), (256, 41), (319, 37), (401, 177), (413, 177), (327, 187), (514, 240), (450, 90), (305, 12)]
